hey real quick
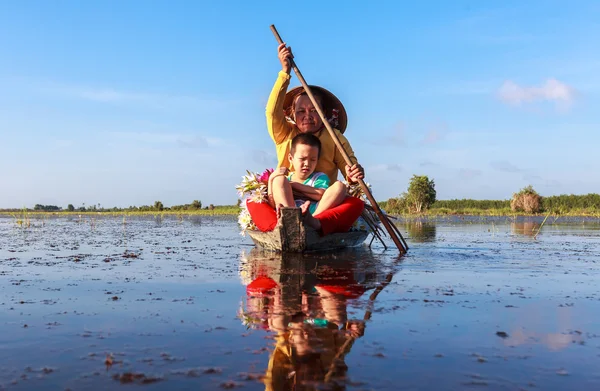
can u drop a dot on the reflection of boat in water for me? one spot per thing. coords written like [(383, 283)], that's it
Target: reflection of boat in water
[(303, 300), (291, 235)]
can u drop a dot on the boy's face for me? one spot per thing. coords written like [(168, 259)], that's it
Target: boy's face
[(304, 338), (304, 160)]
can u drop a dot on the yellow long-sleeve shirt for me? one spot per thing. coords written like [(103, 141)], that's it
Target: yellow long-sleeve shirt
[(335, 345), (282, 133)]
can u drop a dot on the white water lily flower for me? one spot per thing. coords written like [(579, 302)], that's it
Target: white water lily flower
[(257, 196), (245, 221), (252, 189)]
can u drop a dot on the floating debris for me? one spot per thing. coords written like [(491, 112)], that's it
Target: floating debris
[(130, 377)]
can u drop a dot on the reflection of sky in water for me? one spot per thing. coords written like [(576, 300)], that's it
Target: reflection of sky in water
[(175, 315)]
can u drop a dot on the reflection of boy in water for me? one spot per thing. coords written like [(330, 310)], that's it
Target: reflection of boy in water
[(307, 309), (306, 355)]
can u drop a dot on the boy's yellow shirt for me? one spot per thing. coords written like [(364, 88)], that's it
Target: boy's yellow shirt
[(282, 133)]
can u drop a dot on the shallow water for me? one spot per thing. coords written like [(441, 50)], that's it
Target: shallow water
[(180, 304)]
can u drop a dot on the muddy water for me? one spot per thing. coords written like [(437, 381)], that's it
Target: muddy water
[(189, 304)]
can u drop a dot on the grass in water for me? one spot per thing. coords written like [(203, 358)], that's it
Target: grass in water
[(540, 227), (22, 219)]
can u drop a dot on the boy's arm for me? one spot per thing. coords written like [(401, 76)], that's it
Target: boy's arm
[(305, 191), (278, 127), (314, 192)]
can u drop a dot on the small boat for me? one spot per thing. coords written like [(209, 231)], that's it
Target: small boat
[(292, 235)]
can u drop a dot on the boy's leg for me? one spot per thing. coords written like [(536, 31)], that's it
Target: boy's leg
[(308, 218), (282, 192), (333, 196)]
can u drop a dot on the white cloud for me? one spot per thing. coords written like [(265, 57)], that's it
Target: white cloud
[(193, 142), (552, 90), (264, 158), (504, 165), (110, 95), (435, 130), (468, 173), (537, 180), (427, 163), (432, 137), (386, 167), (144, 99), (167, 139), (532, 178), (394, 138)]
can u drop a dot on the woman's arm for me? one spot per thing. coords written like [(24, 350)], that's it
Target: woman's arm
[(278, 128)]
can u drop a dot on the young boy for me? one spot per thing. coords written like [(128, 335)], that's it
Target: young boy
[(303, 187)]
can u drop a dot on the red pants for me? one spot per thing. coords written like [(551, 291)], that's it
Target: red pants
[(338, 219)]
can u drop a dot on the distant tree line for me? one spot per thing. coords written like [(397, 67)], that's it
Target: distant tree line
[(46, 208), (157, 207), (552, 204), (421, 197), (471, 204), (566, 202)]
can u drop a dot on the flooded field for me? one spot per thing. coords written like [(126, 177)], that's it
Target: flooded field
[(168, 303)]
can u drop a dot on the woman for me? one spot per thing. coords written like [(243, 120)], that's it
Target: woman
[(290, 113)]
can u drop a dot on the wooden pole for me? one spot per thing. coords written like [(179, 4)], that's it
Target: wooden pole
[(367, 316), (386, 223)]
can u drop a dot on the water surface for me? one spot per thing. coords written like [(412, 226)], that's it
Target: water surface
[(168, 303)]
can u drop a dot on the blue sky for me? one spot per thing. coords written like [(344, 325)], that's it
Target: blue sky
[(125, 103)]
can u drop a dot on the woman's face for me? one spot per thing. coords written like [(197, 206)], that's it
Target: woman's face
[(305, 115)]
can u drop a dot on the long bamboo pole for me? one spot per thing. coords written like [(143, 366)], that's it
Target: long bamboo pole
[(367, 317), (386, 223)]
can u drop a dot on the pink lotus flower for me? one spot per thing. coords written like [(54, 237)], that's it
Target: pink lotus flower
[(264, 177)]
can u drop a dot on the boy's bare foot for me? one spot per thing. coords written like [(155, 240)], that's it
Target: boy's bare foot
[(304, 208), (311, 221), (278, 211)]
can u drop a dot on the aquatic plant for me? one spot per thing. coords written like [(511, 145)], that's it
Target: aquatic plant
[(22, 220)]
